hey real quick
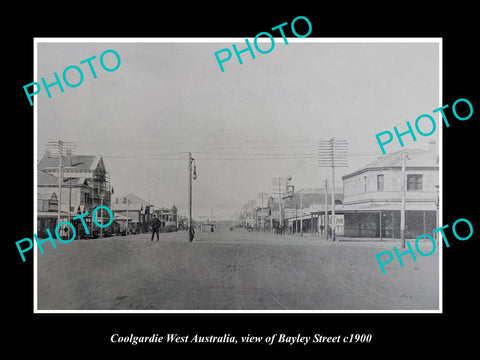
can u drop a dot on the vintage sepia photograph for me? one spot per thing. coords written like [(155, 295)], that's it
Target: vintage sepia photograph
[(164, 184)]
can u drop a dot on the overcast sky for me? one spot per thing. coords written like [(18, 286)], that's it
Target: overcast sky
[(244, 126)]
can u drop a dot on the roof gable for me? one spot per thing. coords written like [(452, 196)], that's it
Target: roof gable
[(415, 158), (134, 199), (79, 162)]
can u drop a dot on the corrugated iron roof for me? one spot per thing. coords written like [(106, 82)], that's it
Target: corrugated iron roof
[(84, 162), (415, 158), (46, 179), (125, 207)]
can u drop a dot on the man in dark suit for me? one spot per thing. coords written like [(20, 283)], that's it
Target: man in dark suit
[(155, 226)]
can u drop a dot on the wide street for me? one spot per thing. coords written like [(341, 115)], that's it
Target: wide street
[(234, 270)]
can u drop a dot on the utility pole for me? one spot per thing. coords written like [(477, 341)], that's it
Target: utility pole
[(402, 212), (332, 153), (301, 214), (262, 195), (60, 179), (333, 194), (262, 215), (271, 216), (280, 194), (69, 166), (437, 203), (190, 177), (128, 216), (296, 218), (59, 146), (325, 222), (69, 203), (280, 223), (190, 195), (101, 214)]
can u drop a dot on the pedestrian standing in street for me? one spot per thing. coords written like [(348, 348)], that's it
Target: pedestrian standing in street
[(192, 233), (321, 229), (155, 227)]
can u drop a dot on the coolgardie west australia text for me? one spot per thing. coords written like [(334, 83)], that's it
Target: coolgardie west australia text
[(280, 338)]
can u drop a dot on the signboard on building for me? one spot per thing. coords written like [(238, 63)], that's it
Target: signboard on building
[(339, 222)]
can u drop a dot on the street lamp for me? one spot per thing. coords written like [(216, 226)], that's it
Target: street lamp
[(194, 170)]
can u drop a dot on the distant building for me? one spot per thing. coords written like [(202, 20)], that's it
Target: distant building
[(208, 226), (134, 211), (313, 196), (168, 218), (139, 214), (273, 204), (262, 218), (305, 210), (85, 186), (247, 216), (372, 196)]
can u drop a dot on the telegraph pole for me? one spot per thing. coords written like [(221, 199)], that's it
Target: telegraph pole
[(190, 177), (60, 179), (325, 222), (101, 214), (332, 153), (128, 217), (262, 195), (280, 223), (402, 212), (59, 146), (189, 195), (280, 194), (333, 194), (301, 214), (69, 203), (271, 217), (296, 218)]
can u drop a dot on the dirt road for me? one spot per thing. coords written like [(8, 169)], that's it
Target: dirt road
[(231, 271)]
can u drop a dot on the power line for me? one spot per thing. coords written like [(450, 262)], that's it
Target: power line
[(146, 155), (236, 153), (261, 158), (208, 149)]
